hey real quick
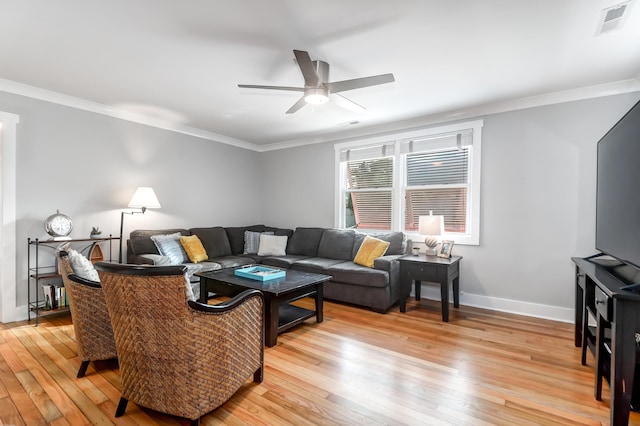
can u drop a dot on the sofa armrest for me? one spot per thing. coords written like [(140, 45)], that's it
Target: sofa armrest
[(385, 263)]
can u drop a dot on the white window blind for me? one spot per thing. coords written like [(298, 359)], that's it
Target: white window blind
[(437, 181), (389, 184), (369, 186)]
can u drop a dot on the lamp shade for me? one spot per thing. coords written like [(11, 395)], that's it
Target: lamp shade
[(431, 225), (144, 198)]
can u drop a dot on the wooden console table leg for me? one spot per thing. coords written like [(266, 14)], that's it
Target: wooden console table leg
[(444, 296), (319, 303), (271, 322), (417, 288), (456, 292)]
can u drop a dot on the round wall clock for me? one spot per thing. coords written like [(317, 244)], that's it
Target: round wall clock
[(58, 225)]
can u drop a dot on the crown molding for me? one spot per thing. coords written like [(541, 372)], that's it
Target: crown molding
[(78, 103), (581, 93), (600, 90)]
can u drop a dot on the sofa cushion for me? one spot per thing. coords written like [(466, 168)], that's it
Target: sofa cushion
[(272, 245), (233, 261), (304, 241), (156, 259), (214, 240), (337, 244), (370, 249), (252, 241), (140, 240), (316, 265), (395, 239), (169, 245), (350, 273), (194, 248), (282, 261), (235, 234)]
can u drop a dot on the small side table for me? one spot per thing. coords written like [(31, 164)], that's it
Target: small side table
[(440, 270)]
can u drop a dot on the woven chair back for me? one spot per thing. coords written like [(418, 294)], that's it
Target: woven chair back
[(175, 359), (91, 322)]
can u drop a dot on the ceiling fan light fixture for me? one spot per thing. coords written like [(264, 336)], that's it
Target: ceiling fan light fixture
[(316, 96)]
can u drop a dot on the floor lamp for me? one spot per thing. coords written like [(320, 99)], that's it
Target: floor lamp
[(143, 199)]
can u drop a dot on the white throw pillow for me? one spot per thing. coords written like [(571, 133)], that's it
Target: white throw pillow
[(272, 245), (252, 241), (82, 267), (169, 245)]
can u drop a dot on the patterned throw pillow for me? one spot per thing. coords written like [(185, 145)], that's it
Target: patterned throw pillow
[(169, 245), (252, 241), (82, 266)]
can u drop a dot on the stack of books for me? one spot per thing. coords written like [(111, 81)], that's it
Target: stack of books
[(54, 297)]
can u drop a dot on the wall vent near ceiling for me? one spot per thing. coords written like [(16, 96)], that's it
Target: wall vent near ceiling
[(612, 18)]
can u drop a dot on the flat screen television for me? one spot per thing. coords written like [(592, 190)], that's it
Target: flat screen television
[(618, 191)]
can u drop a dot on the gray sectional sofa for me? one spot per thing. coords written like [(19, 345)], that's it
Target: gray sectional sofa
[(319, 250)]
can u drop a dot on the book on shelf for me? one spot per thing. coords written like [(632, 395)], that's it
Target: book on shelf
[(54, 297)]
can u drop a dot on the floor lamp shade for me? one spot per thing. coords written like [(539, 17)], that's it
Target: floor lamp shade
[(144, 198)]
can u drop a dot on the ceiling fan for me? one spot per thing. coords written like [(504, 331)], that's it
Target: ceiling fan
[(317, 88)]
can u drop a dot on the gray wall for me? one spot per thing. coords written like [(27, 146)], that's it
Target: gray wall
[(538, 187), (538, 199), (88, 165)]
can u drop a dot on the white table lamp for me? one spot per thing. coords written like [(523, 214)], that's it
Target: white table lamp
[(431, 226)]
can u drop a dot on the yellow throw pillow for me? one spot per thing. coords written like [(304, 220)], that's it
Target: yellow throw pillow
[(371, 249), (194, 248)]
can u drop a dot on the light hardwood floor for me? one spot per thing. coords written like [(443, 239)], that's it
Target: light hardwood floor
[(357, 367)]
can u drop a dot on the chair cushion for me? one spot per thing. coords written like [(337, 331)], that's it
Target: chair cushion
[(194, 248), (370, 249), (169, 245)]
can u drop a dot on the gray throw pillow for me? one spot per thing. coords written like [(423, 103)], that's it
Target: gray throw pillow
[(252, 241), (170, 246)]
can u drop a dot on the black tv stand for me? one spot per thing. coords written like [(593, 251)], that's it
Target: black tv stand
[(598, 290)]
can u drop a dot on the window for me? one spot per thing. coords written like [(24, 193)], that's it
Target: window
[(387, 184)]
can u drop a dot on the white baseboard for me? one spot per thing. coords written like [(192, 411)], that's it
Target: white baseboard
[(537, 310)]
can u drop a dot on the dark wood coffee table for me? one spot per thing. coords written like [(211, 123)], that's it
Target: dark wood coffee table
[(279, 314)]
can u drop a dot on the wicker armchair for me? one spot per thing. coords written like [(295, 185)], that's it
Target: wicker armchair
[(91, 323), (178, 356)]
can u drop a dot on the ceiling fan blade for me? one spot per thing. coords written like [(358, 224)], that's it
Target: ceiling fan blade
[(357, 83), (345, 103), (301, 102), (255, 86), (306, 66)]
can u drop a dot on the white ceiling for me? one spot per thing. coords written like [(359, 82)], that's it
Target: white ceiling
[(177, 63)]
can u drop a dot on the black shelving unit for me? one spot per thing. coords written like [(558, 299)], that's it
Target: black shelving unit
[(39, 274)]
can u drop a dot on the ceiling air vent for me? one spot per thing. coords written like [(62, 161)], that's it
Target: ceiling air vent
[(613, 17)]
